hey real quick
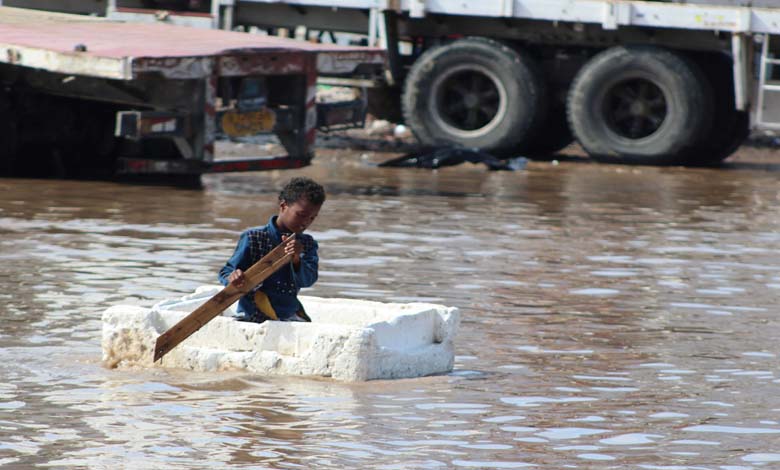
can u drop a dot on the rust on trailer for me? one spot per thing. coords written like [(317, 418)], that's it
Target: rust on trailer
[(237, 63)]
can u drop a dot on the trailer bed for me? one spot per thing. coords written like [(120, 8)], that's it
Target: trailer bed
[(95, 47)]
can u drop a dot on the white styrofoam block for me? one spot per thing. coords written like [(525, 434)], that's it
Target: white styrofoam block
[(348, 339)]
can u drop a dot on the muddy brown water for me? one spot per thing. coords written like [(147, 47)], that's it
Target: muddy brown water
[(613, 317)]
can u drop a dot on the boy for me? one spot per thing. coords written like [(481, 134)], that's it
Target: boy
[(277, 297)]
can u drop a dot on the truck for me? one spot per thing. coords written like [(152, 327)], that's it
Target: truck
[(634, 82), (83, 95)]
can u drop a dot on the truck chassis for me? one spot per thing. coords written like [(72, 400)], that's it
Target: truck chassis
[(85, 93)]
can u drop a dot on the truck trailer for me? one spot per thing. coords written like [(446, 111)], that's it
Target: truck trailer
[(83, 95)]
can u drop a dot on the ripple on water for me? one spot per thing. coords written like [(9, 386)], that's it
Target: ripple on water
[(631, 439), (558, 434), (762, 458), (712, 428), (718, 403), (452, 406), (668, 415), (615, 389), (428, 442), (533, 440), (538, 350), (577, 447), (537, 401), (490, 464), (358, 262), (518, 429), (12, 405), (588, 419), (700, 306), (455, 433), (504, 419), (596, 292), (602, 378), (615, 273), (373, 293), (759, 354), (595, 457), (468, 286), (488, 446)]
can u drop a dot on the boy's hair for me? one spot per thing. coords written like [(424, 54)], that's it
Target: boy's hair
[(302, 188)]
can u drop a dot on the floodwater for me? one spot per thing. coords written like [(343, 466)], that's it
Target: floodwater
[(613, 317)]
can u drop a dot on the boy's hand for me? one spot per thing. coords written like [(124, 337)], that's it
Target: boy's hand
[(237, 278), (294, 247)]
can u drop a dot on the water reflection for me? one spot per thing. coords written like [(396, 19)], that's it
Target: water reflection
[(612, 316)]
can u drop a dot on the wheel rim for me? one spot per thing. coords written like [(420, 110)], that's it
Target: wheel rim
[(635, 108), (468, 101)]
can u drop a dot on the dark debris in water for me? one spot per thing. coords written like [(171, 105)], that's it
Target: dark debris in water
[(437, 157)]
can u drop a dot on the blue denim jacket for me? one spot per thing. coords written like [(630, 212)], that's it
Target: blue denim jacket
[(283, 286)]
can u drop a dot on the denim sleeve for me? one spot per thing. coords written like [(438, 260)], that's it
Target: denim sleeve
[(241, 259), (306, 274)]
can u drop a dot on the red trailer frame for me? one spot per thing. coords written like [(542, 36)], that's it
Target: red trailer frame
[(180, 84)]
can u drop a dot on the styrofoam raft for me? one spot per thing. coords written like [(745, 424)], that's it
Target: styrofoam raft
[(348, 339)]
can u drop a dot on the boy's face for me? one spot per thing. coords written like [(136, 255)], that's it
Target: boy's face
[(297, 217)]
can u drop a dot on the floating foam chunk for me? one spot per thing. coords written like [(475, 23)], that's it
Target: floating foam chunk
[(349, 340)]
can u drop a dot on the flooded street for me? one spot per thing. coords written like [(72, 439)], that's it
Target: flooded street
[(613, 317)]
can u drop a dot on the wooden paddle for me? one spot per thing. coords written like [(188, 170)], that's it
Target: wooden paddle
[(223, 299)]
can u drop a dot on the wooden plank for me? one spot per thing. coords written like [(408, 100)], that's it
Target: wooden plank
[(223, 299)]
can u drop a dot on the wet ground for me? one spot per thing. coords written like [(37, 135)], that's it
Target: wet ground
[(613, 317)]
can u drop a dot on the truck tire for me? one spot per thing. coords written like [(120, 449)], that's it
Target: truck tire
[(639, 105), (730, 126), (474, 92)]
